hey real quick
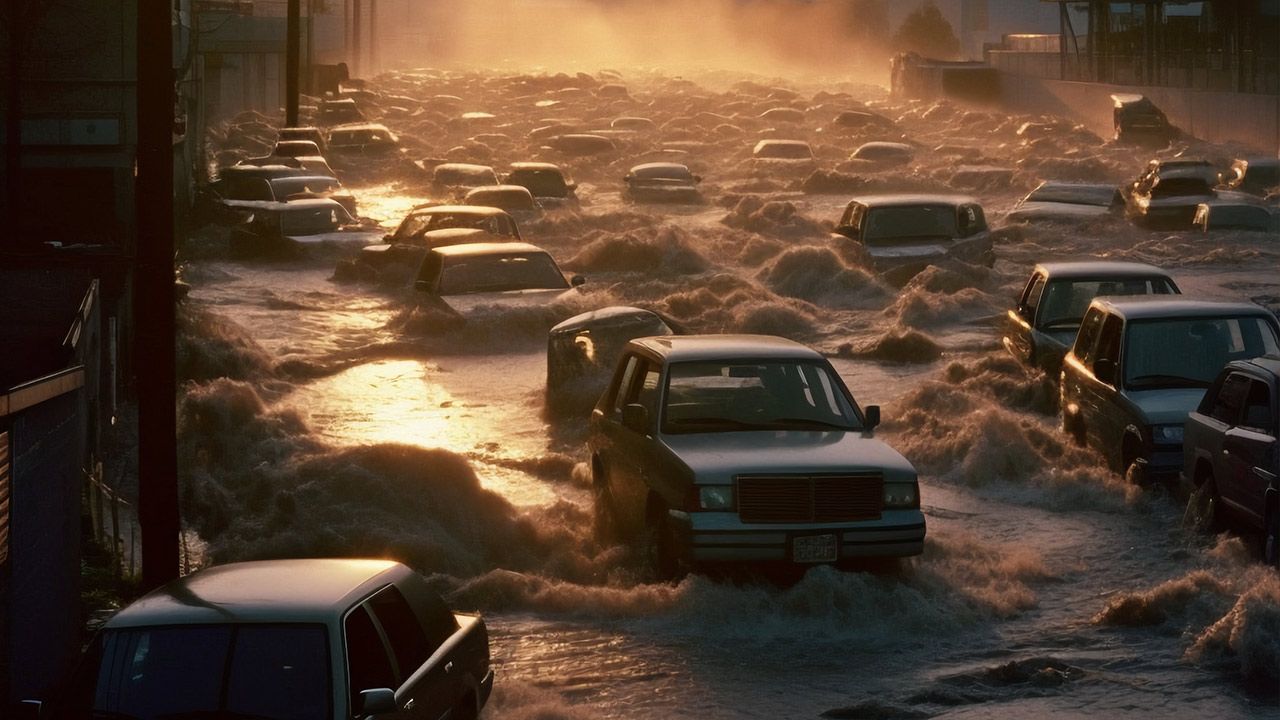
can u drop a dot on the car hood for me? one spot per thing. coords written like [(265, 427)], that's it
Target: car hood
[(1167, 406), (473, 304), (1056, 211), (716, 457)]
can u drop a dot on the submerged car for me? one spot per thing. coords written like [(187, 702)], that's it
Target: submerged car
[(782, 150), (1067, 202), (302, 187), (247, 186), (286, 228), (1042, 326), (340, 111), (426, 218), (514, 199), (1216, 216), (745, 448), (1140, 365), (903, 234), (1231, 452), (1258, 176), (1139, 121), (884, 153), (545, 181), (583, 350), (661, 182), (297, 149), (314, 134), (317, 639), (363, 139), (461, 176), (470, 277), (1166, 195)]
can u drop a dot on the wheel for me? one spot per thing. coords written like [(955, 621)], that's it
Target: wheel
[(658, 557), (1202, 507), (605, 519), (1271, 539)]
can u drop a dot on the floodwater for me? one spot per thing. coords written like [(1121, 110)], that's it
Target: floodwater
[(335, 418)]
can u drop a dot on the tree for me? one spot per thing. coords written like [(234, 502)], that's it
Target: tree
[(926, 32)]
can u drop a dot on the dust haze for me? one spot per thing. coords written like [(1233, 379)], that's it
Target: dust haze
[(813, 39)]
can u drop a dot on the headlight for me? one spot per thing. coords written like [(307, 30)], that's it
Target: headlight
[(1166, 434), (901, 495), (715, 497)]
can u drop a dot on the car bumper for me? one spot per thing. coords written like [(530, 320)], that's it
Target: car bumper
[(723, 537), (1164, 463)]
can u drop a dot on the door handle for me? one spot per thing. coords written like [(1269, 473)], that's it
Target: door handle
[(448, 667), (408, 705)]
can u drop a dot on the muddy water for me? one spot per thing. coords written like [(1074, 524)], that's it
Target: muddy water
[(354, 426)]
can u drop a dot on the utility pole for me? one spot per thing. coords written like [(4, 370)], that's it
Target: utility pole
[(293, 28), (356, 12), (373, 37), (153, 297)]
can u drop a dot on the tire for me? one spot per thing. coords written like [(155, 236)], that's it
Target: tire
[(658, 557), (1203, 507), (1271, 539)]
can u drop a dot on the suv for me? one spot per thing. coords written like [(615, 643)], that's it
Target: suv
[(904, 234), (321, 639), (1040, 329), (1232, 455), (745, 448), (1140, 364)]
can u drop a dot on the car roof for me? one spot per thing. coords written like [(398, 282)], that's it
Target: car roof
[(1266, 363), (307, 590), (535, 166), (466, 167), (1098, 269), (490, 248), (660, 166), (902, 200), (772, 141), (459, 209), (613, 315), (683, 348), (492, 189), (1141, 307)]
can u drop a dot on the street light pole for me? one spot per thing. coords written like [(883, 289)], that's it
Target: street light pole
[(292, 49)]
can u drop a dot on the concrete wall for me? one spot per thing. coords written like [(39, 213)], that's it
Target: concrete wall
[(1221, 117)]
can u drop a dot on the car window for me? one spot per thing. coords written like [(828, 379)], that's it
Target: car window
[(368, 666), (1258, 412), (1226, 406), (624, 385), (1031, 296), (1190, 352), (404, 633), (272, 672), (1088, 335), (501, 273), (647, 389), (920, 222), (1108, 341)]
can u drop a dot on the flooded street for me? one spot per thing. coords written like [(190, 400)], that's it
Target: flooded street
[(329, 417)]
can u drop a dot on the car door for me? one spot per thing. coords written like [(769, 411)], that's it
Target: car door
[(1207, 425), (1111, 411), (1246, 449), (621, 452), (1019, 338), (368, 660), (1076, 372), (423, 692)]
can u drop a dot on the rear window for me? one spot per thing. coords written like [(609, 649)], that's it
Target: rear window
[(1190, 352), (275, 672), (1065, 301), (910, 223)]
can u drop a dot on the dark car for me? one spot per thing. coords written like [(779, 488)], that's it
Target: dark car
[(583, 351), (314, 134), (1255, 176), (320, 639), (1045, 321), (903, 234), (1214, 216), (363, 139), (1231, 454), (1166, 194), (1063, 202), (745, 449), (545, 181), (1139, 121), (661, 182), (1139, 365)]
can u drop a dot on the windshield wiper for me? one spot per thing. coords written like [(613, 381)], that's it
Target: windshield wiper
[(1175, 380), (810, 422), (731, 422)]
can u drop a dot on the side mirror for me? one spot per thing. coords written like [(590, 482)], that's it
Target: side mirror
[(577, 281), (378, 701), (29, 710), (1105, 370), (697, 178), (872, 413), (847, 231), (635, 417)]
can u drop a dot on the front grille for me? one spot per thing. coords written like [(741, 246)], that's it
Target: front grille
[(810, 498)]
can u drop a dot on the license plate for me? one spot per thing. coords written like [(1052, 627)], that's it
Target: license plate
[(815, 549)]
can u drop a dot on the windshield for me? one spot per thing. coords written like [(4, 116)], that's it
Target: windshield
[(907, 223), (264, 672), (500, 273), (664, 172), (1190, 352), (774, 395), (1065, 301), (418, 224), (542, 183)]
